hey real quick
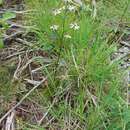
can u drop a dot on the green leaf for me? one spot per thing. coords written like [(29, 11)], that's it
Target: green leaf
[(126, 115), (1, 43), (1, 2), (8, 15), (4, 24)]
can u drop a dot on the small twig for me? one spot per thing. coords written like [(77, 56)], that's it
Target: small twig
[(40, 68), (13, 36), (35, 112), (125, 43), (30, 68), (24, 42), (77, 126), (20, 70), (15, 73), (32, 82), (15, 54), (10, 121), (13, 108)]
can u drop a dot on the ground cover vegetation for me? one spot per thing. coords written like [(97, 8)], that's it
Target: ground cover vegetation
[(86, 87)]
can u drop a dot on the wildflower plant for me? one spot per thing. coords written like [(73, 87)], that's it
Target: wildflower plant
[(89, 86), (59, 22)]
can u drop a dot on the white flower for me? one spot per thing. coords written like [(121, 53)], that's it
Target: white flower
[(56, 11), (62, 8), (79, 2), (67, 36), (71, 25), (54, 27), (68, 1), (71, 8), (74, 26)]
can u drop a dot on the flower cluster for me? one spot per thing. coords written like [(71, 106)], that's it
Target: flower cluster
[(74, 26), (68, 1), (54, 27), (70, 7), (58, 11), (79, 2)]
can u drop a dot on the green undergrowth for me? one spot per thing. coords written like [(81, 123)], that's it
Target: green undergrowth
[(5, 88), (85, 88)]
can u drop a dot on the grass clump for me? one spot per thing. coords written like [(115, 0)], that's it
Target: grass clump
[(85, 88)]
